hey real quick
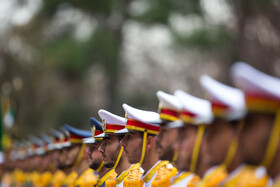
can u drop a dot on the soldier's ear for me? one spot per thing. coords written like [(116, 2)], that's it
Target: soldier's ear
[(150, 142)]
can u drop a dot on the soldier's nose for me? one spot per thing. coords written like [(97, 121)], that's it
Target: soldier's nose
[(176, 145), (101, 148)]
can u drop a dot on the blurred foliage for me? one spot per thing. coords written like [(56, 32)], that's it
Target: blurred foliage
[(66, 54), (56, 66), (205, 39)]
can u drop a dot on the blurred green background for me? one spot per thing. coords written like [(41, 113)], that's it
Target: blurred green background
[(63, 60)]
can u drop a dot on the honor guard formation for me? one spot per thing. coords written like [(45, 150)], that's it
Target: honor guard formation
[(230, 138)]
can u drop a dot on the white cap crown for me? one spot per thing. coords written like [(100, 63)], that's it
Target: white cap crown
[(227, 102), (195, 110)]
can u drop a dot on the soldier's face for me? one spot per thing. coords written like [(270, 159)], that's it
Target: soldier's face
[(185, 144), (132, 143), (36, 161), (110, 149), (165, 140), (55, 157), (70, 154), (45, 161), (218, 138), (94, 156), (254, 137)]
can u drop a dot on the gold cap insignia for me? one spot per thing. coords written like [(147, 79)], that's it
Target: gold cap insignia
[(159, 108), (104, 125), (93, 129)]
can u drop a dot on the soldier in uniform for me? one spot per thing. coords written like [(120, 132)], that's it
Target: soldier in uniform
[(95, 161), (6, 177), (196, 113), (46, 164), (169, 110), (59, 175), (140, 146), (74, 155), (36, 160), (260, 135), (228, 108), (112, 151)]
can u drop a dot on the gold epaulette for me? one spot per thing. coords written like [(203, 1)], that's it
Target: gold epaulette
[(35, 178), (183, 175), (105, 177), (277, 182), (19, 177), (58, 178), (213, 178), (164, 173), (247, 177), (87, 178), (46, 179), (134, 177), (110, 182), (70, 179)]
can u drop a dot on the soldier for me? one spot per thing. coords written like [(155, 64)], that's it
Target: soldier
[(260, 135), (6, 177), (18, 175), (228, 108), (96, 166), (59, 175), (46, 164), (140, 146), (74, 154), (38, 150), (195, 115), (169, 110), (112, 151)]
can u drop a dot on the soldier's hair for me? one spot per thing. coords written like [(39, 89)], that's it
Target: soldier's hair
[(120, 137), (149, 134), (234, 123)]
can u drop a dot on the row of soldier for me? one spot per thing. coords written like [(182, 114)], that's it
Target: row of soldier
[(231, 138)]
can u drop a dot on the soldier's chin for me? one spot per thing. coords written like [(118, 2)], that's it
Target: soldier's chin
[(252, 162), (108, 165), (94, 165), (159, 150), (133, 161)]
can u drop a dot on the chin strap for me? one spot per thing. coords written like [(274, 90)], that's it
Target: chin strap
[(196, 148), (175, 156), (101, 165), (143, 146), (119, 157), (233, 146), (80, 155), (273, 141)]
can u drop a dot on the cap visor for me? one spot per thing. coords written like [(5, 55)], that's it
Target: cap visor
[(66, 144), (123, 131), (89, 140), (103, 135), (175, 124)]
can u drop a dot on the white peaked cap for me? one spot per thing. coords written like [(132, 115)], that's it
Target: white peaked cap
[(140, 120), (110, 123), (199, 108), (252, 80), (169, 101), (141, 115), (175, 124), (232, 98), (111, 118), (89, 140)]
